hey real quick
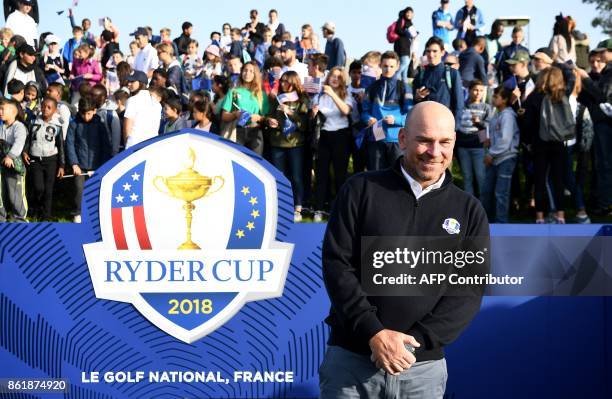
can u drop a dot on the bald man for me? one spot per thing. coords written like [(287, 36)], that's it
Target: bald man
[(367, 354)]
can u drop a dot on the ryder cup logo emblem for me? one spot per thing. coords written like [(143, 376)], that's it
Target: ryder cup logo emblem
[(451, 226), (188, 228)]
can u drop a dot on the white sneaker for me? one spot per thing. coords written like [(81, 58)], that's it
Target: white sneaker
[(76, 219), (318, 217), (297, 216)]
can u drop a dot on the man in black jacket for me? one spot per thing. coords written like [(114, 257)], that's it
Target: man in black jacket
[(182, 42), (367, 354)]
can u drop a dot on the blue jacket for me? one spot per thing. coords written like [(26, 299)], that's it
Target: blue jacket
[(397, 102), (462, 14), (69, 47), (444, 84), (441, 32), (472, 66), (87, 144), (334, 50)]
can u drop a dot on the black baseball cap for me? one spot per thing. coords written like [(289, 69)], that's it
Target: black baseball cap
[(138, 76), (26, 48), (140, 32), (288, 45)]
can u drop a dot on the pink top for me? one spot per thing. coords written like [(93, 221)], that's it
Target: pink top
[(81, 67)]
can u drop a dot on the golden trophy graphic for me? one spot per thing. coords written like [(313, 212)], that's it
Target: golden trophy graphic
[(189, 186)]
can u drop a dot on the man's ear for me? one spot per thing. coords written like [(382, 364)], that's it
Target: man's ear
[(401, 138)]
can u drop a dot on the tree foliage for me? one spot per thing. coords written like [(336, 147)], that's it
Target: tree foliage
[(603, 20)]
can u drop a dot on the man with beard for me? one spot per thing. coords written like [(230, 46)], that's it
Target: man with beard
[(288, 54)]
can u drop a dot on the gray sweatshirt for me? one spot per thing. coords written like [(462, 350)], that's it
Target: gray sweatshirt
[(15, 135), (504, 134)]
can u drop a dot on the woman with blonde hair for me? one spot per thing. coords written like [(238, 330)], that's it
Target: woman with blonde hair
[(334, 147), (244, 108)]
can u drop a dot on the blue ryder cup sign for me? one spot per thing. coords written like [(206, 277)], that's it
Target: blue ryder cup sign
[(188, 226)]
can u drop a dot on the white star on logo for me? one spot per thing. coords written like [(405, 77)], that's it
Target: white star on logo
[(134, 197), (127, 186), (119, 198), (135, 176)]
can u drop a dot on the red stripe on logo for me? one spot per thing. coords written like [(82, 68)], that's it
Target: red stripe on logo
[(141, 228), (118, 231)]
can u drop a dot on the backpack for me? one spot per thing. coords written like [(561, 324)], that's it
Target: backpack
[(557, 122), (392, 35)]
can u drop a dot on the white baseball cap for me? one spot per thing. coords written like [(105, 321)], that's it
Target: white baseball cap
[(52, 39)]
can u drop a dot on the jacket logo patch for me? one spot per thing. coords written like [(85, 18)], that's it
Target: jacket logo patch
[(452, 226)]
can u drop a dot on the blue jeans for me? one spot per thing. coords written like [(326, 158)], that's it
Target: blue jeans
[(344, 374), (290, 161), (496, 190), (403, 69), (472, 165), (602, 146), (382, 155)]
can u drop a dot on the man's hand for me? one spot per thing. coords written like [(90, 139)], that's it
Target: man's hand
[(371, 121), (76, 170), (488, 160), (389, 352), (60, 172), (273, 123), (26, 158), (421, 93), (389, 120)]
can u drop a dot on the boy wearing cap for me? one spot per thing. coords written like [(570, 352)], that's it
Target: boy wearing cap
[(334, 48), (519, 81), (142, 112), (21, 23), (146, 59), (509, 52), (288, 55)]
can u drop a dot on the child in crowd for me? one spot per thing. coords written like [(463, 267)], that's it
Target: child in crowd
[(236, 45), (13, 135), (55, 91), (134, 50), (273, 69), (16, 90), (111, 81), (30, 104), (121, 97), (87, 148), (172, 112), (220, 88), (191, 62), (212, 67), (203, 117), (501, 157), (44, 155), (370, 68), (85, 69), (357, 91), (471, 136), (5, 39), (52, 60), (233, 67), (459, 45)]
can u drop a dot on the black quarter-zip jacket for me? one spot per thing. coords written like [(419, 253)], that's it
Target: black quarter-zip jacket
[(382, 204)]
